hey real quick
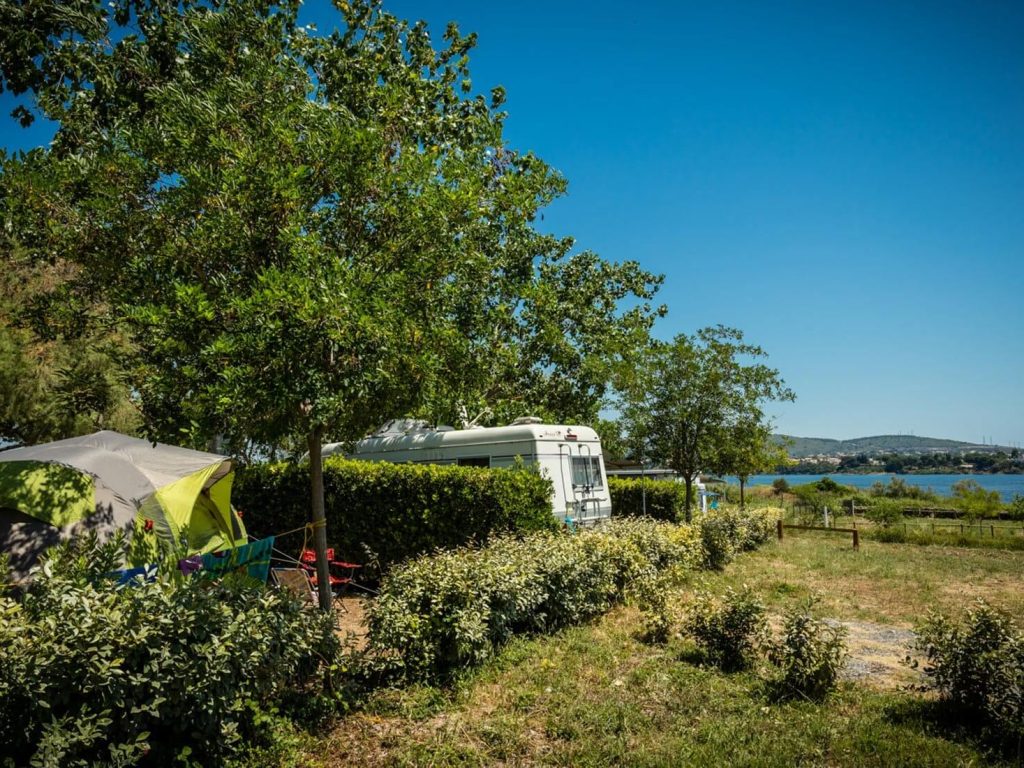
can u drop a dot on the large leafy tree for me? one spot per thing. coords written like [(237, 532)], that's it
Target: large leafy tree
[(304, 233), (59, 374), (695, 395)]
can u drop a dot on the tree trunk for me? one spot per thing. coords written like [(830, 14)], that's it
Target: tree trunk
[(688, 481), (316, 485), (743, 501)]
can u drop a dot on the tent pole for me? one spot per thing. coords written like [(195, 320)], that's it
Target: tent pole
[(316, 483)]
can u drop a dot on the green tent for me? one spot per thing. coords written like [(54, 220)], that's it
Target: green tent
[(167, 498)]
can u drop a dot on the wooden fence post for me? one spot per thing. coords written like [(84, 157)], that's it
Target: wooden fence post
[(778, 528), (856, 539)]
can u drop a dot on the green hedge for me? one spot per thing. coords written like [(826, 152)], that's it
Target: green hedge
[(178, 671), (396, 511), (449, 610), (665, 499)]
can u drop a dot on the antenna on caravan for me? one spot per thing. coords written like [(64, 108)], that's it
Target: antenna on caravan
[(464, 421)]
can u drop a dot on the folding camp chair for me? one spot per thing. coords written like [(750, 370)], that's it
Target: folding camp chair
[(338, 583), (296, 581)]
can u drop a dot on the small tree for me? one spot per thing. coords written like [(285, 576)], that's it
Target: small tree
[(746, 449), (691, 393)]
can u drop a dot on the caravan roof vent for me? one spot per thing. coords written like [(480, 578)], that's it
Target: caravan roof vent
[(526, 420)]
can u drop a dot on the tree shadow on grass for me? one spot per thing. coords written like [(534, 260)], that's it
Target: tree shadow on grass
[(945, 720)]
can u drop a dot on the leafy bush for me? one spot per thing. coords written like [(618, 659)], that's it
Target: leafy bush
[(812, 498), (884, 511), (780, 485), (810, 656), (978, 665), (718, 541), (889, 535), (974, 501), (751, 527), (657, 617), (828, 485), (898, 488), (396, 511), (662, 499), (727, 631), (450, 610), (729, 530), (95, 675), (1015, 508)]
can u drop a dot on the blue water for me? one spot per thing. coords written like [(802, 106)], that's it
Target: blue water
[(1007, 485)]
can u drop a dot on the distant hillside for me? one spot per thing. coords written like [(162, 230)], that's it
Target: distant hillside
[(801, 447)]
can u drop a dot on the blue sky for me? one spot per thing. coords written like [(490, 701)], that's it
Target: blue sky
[(844, 182)]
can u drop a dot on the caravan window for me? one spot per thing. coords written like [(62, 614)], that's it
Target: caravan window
[(586, 470), (475, 461)]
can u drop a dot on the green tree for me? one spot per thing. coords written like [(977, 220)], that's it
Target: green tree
[(747, 448), (304, 233), (695, 391), (613, 444), (59, 374)]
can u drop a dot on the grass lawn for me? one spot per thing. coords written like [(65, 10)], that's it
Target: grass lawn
[(595, 695), (886, 583)]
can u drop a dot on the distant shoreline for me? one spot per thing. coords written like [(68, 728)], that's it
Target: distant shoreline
[(820, 470)]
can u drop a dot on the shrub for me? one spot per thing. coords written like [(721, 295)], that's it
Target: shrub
[(727, 631), (890, 535), (974, 501), (92, 674), (450, 610), (978, 665), (657, 617), (728, 530), (718, 541), (884, 511), (662, 499), (780, 485), (1015, 508), (810, 655), (898, 488), (396, 511), (828, 485)]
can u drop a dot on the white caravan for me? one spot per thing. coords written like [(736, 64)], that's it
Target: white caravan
[(569, 455)]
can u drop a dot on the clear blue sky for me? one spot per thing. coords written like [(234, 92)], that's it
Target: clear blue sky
[(844, 182)]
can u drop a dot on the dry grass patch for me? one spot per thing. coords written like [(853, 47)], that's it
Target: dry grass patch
[(885, 583)]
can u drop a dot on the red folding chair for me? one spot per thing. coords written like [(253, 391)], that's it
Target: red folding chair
[(338, 583)]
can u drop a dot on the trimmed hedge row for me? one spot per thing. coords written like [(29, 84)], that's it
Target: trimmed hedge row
[(451, 610), (665, 500), (396, 511)]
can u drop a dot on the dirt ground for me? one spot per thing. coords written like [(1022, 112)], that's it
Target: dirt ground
[(351, 613), (877, 654)]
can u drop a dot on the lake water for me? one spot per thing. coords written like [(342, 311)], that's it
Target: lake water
[(1007, 485)]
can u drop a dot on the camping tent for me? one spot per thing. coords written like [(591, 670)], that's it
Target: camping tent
[(166, 497)]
